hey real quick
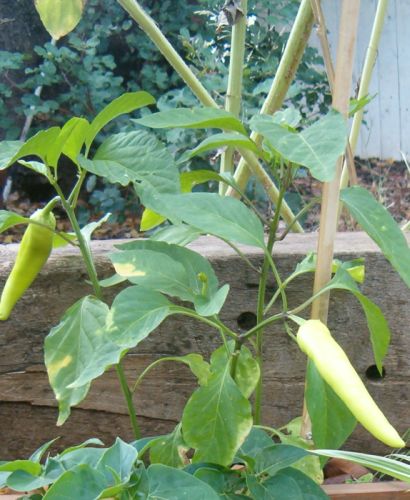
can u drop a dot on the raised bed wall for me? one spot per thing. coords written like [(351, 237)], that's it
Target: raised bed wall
[(27, 408)]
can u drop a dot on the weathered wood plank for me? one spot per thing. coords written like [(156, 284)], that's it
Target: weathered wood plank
[(27, 406)]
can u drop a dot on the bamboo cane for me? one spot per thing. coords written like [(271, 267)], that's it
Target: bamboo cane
[(330, 193)]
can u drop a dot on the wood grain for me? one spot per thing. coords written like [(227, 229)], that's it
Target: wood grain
[(27, 407)]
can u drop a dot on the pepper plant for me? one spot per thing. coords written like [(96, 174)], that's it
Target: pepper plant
[(160, 276)]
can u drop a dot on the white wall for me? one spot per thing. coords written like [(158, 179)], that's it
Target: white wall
[(387, 128)]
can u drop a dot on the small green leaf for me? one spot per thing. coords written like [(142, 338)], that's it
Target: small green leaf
[(126, 103), (193, 118), (217, 419), (36, 166), (38, 145), (217, 141), (168, 483), (170, 449), (318, 147), (60, 16), (291, 483), (10, 219), (69, 141), (276, 457), (120, 458), (29, 466), (332, 421), (381, 227)]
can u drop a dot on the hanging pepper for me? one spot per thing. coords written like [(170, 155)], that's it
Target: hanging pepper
[(334, 366), (33, 252)]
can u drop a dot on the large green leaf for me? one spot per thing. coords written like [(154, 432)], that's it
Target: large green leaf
[(79, 482), (60, 16), (126, 103), (291, 483), (134, 156), (381, 227), (173, 270), (276, 457), (211, 213), (76, 348), (332, 421), (217, 419), (134, 314), (193, 118), (317, 147), (8, 149), (376, 322), (170, 449), (38, 145), (222, 140), (167, 483)]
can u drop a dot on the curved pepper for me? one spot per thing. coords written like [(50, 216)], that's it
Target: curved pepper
[(33, 252), (315, 340)]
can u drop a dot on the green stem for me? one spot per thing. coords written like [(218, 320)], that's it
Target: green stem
[(267, 262), (128, 398), (241, 255), (234, 90), (260, 326), (92, 273), (148, 25), (235, 357), (211, 322), (284, 76), (298, 216)]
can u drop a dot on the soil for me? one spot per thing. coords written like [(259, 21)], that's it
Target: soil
[(388, 181)]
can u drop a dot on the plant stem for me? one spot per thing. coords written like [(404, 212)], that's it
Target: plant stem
[(92, 273), (267, 260), (330, 198), (128, 398), (211, 322), (149, 27), (369, 63), (235, 356), (234, 90), (284, 76)]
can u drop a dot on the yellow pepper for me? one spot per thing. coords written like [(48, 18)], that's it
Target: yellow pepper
[(34, 250), (315, 340)]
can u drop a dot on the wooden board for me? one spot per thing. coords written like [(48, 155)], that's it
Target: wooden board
[(27, 406)]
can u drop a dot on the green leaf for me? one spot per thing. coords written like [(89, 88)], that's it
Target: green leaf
[(36, 166), (211, 213), (10, 219), (173, 270), (38, 145), (222, 140), (255, 441), (181, 234), (225, 482), (170, 449), (23, 481), (59, 242), (376, 322), (79, 482), (217, 419), (332, 421), (291, 483), (126, 103), (120, 458), (29, 466), (77, 348), (247, 369), (193, 118), (38, 454), (60, 16), (88, 229), (134, 314), (8, 149), (381, 227), (276, 457), (168, 483), (134, 156), (386, 465), (69, 141), (318, 147)]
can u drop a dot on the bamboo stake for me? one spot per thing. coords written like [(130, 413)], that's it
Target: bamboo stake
[(284, 76), (175, 60), (234, 90), (330, 194), (369, 63)]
